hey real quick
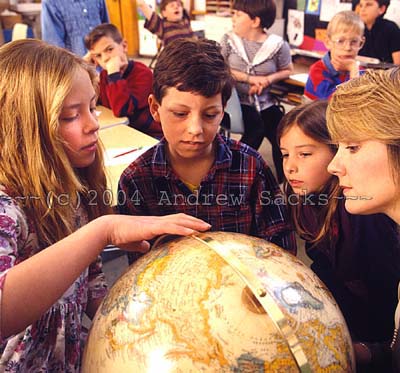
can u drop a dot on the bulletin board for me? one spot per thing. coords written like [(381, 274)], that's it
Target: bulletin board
[(306, 21)]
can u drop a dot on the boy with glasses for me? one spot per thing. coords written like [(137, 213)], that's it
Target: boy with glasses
[(344, 39)]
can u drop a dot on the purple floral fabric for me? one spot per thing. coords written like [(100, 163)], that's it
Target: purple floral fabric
[(53, 343)]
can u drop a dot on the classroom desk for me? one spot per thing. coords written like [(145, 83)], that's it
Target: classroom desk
[(298, 80), (30, 15), (290, 91), (117, 141), (107, 119)]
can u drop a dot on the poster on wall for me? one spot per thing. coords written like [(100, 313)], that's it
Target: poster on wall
[(393, 12), (301, 5), (330, 7), (313, 7), (295, 27)]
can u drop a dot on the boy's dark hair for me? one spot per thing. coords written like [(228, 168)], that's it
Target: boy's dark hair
[(105, 29), (264, 9), (192, 65), (164, 3), (385, 3), (380, 3)]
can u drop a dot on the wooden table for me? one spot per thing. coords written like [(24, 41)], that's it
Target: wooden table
[(108, 119), (117, 141)]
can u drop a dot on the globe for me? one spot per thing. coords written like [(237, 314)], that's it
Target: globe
[(218, 302)]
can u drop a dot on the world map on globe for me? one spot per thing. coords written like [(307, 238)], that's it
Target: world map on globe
[(191, 305)]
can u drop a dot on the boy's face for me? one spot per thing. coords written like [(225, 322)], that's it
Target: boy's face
[(189, 121), (370, 11), (109, 54), (344, 45), (173, 11), (242, 24)]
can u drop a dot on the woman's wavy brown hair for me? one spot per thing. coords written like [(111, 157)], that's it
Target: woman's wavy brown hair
[(35, 78)]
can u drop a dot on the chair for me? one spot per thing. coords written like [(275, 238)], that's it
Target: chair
[(232, 121), (154, 58)]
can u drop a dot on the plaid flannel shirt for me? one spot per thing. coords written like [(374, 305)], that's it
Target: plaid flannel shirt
[(239, 193)]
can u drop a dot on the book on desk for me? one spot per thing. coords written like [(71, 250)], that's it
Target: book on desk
[(290, 90)]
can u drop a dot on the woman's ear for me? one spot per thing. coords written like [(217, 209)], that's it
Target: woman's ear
[(154, 107)]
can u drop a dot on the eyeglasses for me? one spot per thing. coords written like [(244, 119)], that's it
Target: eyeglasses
[(353, 43)]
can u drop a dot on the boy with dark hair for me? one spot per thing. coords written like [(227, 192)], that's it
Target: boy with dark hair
[(174, 23), (194, 169), (124, 85), (382, 37)]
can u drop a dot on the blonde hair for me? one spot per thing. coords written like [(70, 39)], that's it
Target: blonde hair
[(344, 21), (367, 108), (35, 79)]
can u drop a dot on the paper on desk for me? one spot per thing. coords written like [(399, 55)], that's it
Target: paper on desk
[(111, 159), (19, 31), (302, 78)]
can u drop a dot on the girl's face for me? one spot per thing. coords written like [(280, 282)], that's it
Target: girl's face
[(78, 124), (305, 161), (364, 174), (242, 24)]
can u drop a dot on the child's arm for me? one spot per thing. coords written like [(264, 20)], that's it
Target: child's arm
[(31, 287), (396, 57), (318, 86), (88, 58), (259, 82), (145, 8), (126, 94), (349, 64)]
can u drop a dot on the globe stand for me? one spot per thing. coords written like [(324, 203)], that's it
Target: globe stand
[(267, 302)]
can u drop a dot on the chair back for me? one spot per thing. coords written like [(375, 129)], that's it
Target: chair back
[(234, 115)]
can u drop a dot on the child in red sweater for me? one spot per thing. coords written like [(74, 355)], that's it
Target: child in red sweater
[(124, 84)]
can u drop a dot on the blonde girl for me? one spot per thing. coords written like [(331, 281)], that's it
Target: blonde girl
[(52, 183)]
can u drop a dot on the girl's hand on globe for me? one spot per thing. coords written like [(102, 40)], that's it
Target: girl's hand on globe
[(132, 232)]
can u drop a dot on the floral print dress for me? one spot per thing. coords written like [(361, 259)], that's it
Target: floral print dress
[(54, 343)]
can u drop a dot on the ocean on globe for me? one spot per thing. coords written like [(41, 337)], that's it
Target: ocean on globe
[(218, 302)]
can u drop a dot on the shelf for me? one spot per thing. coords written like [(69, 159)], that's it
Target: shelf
[(219, 6)]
